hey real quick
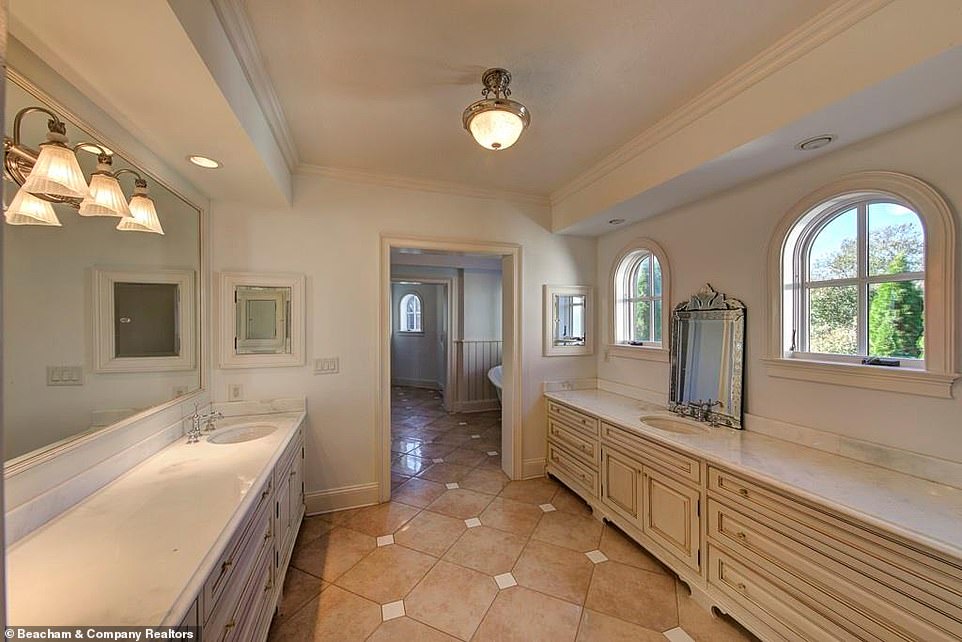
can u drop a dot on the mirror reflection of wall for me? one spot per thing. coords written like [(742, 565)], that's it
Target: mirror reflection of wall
[(263, 320), (53, 389), (569, 322)]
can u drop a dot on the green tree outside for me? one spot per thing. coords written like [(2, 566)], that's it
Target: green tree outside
[(896, 322)]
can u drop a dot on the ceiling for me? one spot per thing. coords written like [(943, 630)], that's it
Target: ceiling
[(380, 86)]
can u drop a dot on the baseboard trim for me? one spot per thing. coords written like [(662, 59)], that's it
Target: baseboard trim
[(328, 501), (478, 405), (416, 383), (531, 468)]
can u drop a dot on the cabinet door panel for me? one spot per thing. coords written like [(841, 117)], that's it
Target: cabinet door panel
[(671, 515), (621, 478)]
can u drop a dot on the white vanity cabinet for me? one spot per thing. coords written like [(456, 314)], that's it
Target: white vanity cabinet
[(240, 594), (785, 566)]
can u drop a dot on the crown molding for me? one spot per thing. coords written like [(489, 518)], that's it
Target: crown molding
[(820, 29), (240, 34), (421, 184)]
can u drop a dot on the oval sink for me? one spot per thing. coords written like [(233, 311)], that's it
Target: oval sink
[(674, 424), (240, 434)]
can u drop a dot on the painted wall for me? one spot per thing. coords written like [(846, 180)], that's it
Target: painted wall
[(332, 234), (416, 358), (482, 305), (724, 240)]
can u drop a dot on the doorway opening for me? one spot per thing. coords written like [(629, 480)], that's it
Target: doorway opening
[(450, 402)]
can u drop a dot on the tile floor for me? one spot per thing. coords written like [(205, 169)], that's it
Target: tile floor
[(461, 553)]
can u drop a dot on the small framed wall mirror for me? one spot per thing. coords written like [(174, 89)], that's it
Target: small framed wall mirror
[(568, 314), (262, 320), (707, 355)]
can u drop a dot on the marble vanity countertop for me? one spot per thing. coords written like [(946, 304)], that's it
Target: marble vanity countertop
[(137, 551), (919, 510)]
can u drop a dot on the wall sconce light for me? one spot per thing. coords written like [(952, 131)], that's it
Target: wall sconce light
[(53, 175)]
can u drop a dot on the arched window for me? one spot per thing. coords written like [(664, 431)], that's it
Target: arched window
[(863, 294), (410, 313), (640, 312)]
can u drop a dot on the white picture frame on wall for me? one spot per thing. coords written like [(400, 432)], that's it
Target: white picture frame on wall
[(105, 359), (295, 346), (564, 343)]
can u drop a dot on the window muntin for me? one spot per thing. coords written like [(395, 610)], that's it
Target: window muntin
[(638, 300), (859, 275), (410, 313)]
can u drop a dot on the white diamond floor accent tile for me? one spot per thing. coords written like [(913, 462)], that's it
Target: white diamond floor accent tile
[(472, 522), (438, 461), (678, 634), (505, 580), (385, 540), (392, 610), (547, 508), (596, 556), (462, 423), (451, 485), (492, 453), (475, 436)]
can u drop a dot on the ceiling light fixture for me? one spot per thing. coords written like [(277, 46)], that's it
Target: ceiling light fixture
[(496, 123), (52, 175), (815, 142), (203, 161)]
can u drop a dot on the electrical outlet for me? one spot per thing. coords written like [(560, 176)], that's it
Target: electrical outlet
[(65, 375), (235, 392), (327, 365)]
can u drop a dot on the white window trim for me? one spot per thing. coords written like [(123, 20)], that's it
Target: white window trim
[(935, 379), (654, 352), (419, 315)]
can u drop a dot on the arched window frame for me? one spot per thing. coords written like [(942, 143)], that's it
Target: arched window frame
[(650, 351), (933, 376), (411, 321)]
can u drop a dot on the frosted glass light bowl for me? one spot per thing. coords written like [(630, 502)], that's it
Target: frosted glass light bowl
[(241, 434)]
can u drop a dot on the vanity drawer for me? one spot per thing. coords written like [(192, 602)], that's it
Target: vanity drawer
[(235, 617), (667, 459), (873, 556), (585, 449), (571, 469), (291, 452), (865, 606), (788, 617), (584, 423), (239, 556)]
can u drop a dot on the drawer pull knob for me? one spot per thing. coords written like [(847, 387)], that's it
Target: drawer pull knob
[(743, 492), (741, 587), (225, 566), (741, 535), (230, 625), (269, 585), (293, 472)]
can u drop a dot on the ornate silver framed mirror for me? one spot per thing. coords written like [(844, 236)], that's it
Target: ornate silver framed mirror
[(707, 357)]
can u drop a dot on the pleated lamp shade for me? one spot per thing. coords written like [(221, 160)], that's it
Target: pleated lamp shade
[(143, 214), (27, 209), (106, 198), (56, 173)]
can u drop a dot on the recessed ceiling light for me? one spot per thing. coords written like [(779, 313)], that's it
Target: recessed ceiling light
[(203, 161), (815, 142), (616, 221)]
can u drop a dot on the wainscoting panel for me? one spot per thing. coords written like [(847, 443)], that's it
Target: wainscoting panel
[(472, 389)]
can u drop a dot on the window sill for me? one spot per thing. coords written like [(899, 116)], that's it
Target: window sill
[(904, 380), (645, 353)]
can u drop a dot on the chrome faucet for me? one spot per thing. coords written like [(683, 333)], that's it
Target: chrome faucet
[(207, 419), (702, 409)]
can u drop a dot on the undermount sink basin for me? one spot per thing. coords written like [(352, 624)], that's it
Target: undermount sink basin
[(674, 424), (240, 434)]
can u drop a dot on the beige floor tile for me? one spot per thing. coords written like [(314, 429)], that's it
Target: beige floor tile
[(409, 465), (598, 627), (381, 519), (557, 571), (299, 589), (335, 614), (430, 533), (397, 480), (509, 515), (451, 439), (333, 553), (485, 480), (483, 445), (487, 550), (431, 450), (618, 547), (311, 529), (492, 463), (634, 595), (418, 492), (340, 517), (444, 473), (703, 625), (572, 531), (531, 491), (521, 615), (387, 574), (566, 501), (404, 629), (452, 598), (460, 503), (464, 457)]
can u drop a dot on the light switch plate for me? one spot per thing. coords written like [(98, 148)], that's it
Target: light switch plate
[(235, 392), (327, 365), (65, 375)]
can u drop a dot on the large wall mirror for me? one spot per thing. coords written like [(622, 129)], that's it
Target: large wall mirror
[(100, 323)]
